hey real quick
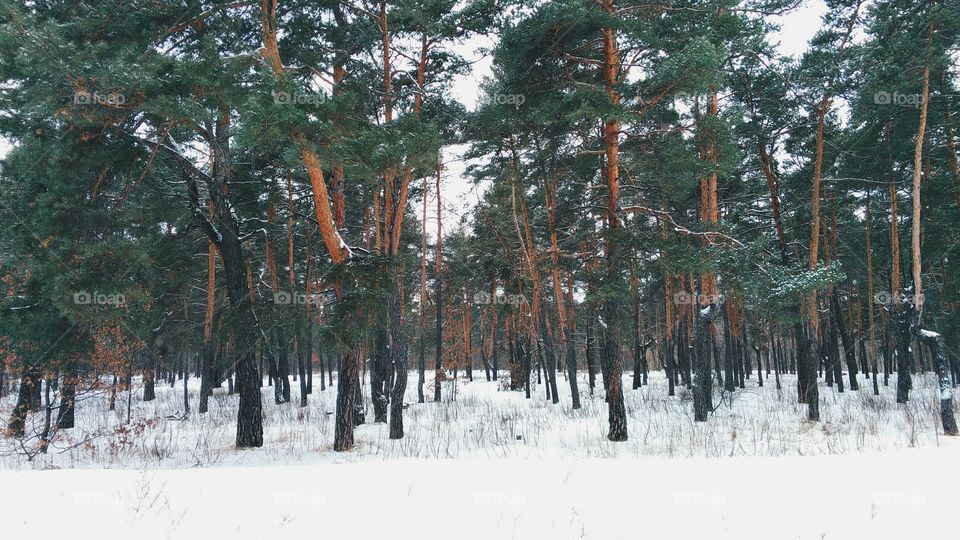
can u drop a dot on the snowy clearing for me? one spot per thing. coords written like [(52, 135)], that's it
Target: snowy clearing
[(175, 475), (897, 494)]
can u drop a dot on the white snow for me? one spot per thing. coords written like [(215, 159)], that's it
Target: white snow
[(343, 245), (876, 496), (491, 464)]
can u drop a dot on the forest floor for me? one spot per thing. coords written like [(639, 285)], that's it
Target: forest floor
[(488, 463)]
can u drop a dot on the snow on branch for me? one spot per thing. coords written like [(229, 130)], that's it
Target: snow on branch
[(712, 237)]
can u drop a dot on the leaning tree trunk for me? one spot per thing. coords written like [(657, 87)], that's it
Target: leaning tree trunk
[(226, 234), (849, 350), (551, 367)]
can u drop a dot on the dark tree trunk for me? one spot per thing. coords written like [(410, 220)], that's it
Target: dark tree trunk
[(900, 333), (702, 377), (378, 371), (483, 354), (616, 410), (149, 372), (398, 353), (683, 352), (329, 368), (308, 343), (523, 350), (540, 374), (637, 338), (515, 362), (730, 383), (348, 372), (872, 371), (572, 368), (274, 375), (422, 366), (227, 236), (591, 357), (30, 382), (812, 390), (283, 365), (637, 370), (323, 377), (301, 360), (113, 393), (668, 367), (495, 360), (888, 351), (437, 364), (742, 358), (359, 412), (832, 345), (778, 361), (186, 383), (849, 349), (68, 393), (801, 350), (551, 366), (760, 351)]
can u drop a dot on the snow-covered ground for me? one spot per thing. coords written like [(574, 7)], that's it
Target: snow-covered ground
[(491, 464), (481, 420)]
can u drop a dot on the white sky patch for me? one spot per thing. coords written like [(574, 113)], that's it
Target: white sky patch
[(798, 27)]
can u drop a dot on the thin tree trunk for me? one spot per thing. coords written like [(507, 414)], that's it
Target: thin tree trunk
[(438, 295)]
